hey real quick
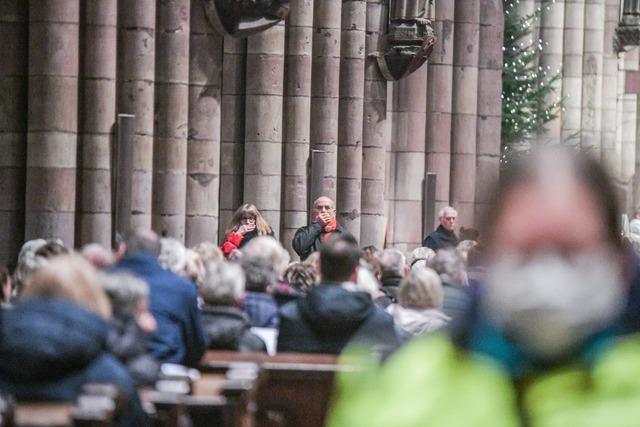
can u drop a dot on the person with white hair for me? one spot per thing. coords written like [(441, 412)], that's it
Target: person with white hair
[(444, 236)]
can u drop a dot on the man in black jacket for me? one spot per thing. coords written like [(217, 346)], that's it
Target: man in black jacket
[(443, 236), (309, 239), (329, 317)]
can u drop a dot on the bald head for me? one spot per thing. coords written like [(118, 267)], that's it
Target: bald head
[(324, 210)]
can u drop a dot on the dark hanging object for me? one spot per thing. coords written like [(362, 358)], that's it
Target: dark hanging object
[(628, 31), (410, 40), (241, 18)]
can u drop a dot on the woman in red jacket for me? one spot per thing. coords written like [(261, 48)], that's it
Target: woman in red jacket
[(245, 224)]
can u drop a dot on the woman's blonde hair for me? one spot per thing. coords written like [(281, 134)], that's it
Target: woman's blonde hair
[(69, 277), (261, 224), (421, 289)]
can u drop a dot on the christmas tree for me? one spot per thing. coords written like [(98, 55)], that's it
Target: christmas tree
[(525, 85)]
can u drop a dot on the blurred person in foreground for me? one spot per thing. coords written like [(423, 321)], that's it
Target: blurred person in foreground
[(540, 346)]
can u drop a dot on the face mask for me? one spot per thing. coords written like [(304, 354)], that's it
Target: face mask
[(550, 305)]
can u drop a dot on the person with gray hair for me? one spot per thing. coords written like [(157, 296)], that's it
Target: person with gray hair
[(227, 327), (443, 236), (393, 266), (449, 265)]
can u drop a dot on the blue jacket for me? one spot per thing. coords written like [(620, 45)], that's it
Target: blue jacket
[(49, 348), (180, 336), (329, 317)]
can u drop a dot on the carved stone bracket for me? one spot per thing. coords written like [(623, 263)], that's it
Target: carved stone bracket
[(410, 42), (241, 18)]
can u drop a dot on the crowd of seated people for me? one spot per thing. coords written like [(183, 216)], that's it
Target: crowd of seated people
[(117, 315)]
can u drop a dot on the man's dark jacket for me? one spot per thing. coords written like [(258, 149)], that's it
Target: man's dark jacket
[(440, 238), (309, 239), (50, 348), (179, 337), (228, 328), (329, 317)]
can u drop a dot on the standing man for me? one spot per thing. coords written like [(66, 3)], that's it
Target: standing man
[(310, 238), (443, 236)]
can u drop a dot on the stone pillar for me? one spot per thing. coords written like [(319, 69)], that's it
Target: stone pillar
[(232, 130), (14, 26), (350, 115), (136, 75), (407, 161), (489, 104), (439, 103), (550, 60), (592, 75), (297, 118), (171, 118), (372, 226), (572, 69), (610, 83), (98, 109), (325, 79), (464, 108), (263, 132), (53, 119), (629, 156), (203, 146)]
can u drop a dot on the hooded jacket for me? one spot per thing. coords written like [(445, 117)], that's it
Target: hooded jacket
[(329, 317), (228, 328), (49, 348)]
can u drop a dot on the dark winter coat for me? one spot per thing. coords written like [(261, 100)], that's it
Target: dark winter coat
[(228, 328), (49, 348), (441, 238), (329, 317), (261, 309), (309, 239), (179, 337)]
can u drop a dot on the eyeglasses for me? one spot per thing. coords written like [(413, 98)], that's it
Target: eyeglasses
[(323, 207), (248, 219)]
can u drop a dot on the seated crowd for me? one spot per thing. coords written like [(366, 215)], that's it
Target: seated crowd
[(115, 316)]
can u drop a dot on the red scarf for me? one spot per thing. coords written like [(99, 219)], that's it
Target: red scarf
[(332, 225)]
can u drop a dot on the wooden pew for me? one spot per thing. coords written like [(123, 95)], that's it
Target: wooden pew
[(293, 389)]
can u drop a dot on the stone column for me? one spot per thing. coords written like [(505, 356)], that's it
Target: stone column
[(627, 124), (171, 118), (610, 83), (372, 225), (203, 146), (464, 108), (14, 26), (550, 60), (325, 81), (407, 161), (439, 103), (263, 131), (350, 115), (53, 119), (98, 113), (489, 104), (135, 92), (297, 118), (572, 69), (232, 130), (592, 75)]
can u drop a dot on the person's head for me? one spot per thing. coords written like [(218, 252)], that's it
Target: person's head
[(465, 246), (129, 298), (141, 241), (259, 272), (33, 255), (314, 260), (393, 263), (268, 247), (421, 289), (223, 283), (554, 253), (448, 218), (173, 255), (322, 205), (69, 277), (193, 266), (99, 256), (339, 258), (449, 265), (422, 252), (208, 251), (301, 276), (248, 214), (370, 249), (371, 261)]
